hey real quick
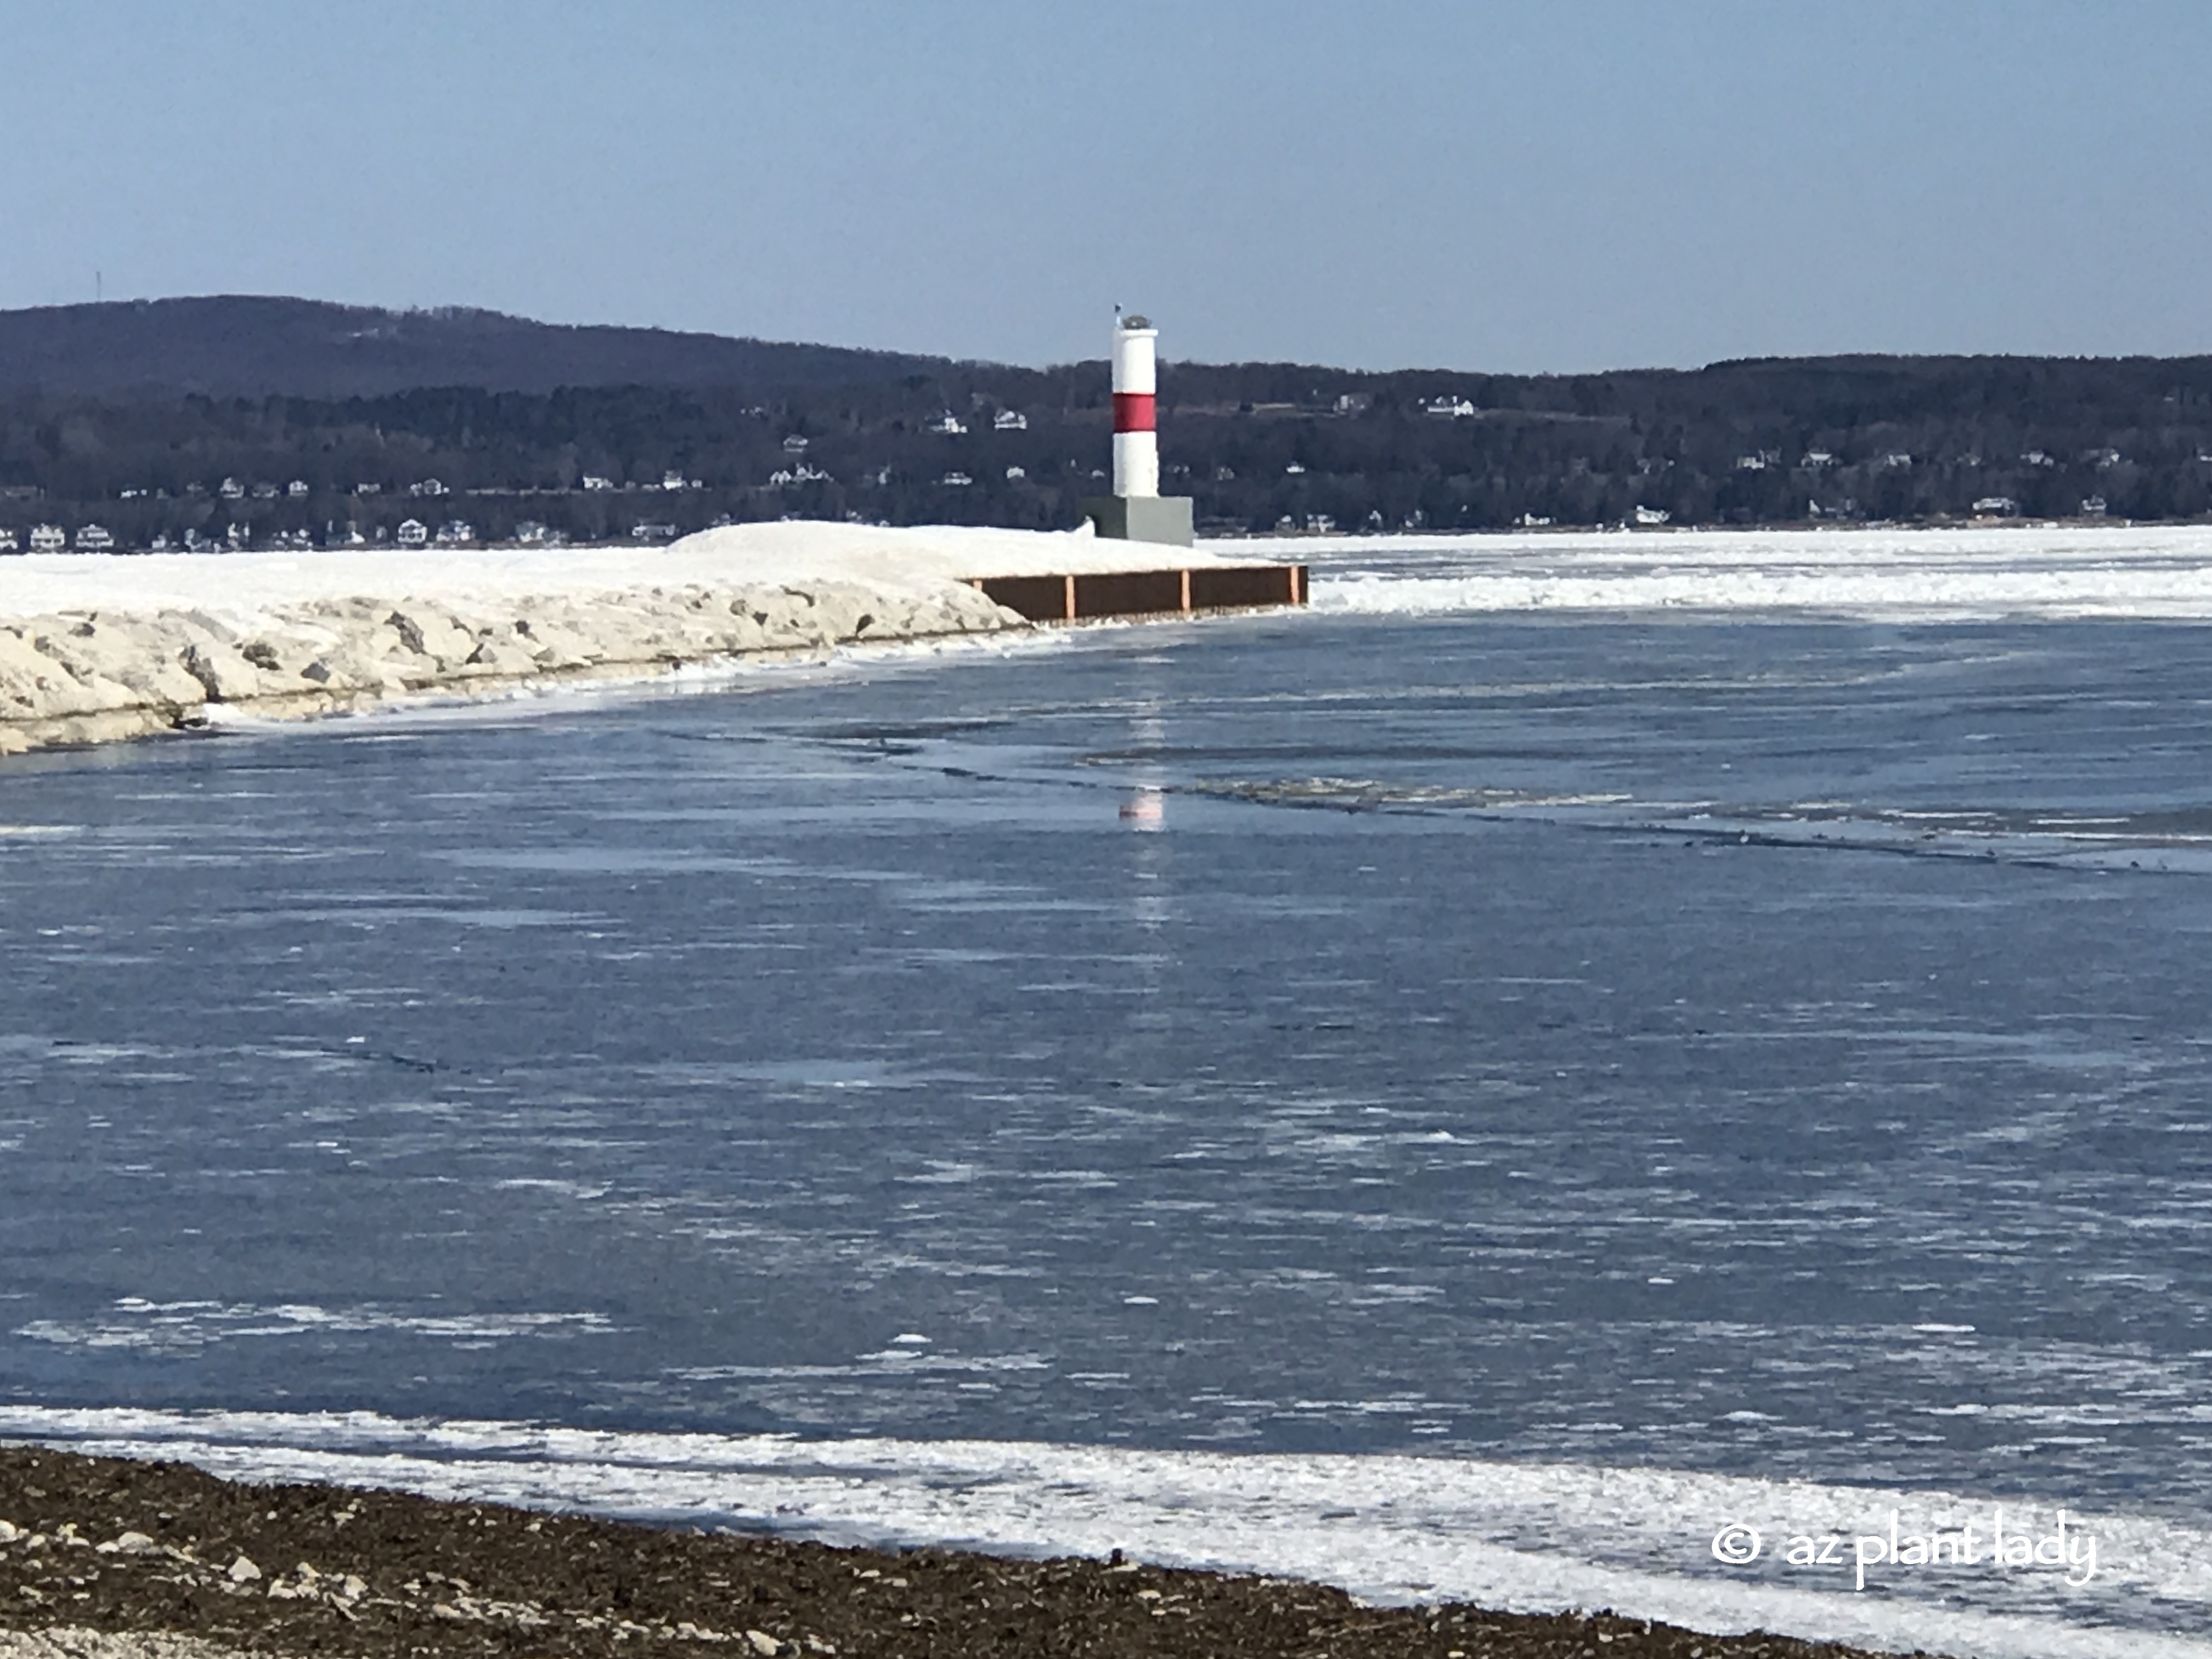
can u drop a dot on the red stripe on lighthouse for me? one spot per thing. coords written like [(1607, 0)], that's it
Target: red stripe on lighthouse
[(1133, 411)]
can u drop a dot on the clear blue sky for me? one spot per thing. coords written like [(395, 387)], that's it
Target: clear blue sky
[(1551, 185)]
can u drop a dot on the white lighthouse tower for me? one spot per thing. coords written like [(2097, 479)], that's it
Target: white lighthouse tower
[(1136, 511), (1136, 430)]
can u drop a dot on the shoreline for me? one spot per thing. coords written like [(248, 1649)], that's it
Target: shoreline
[(182, 1565)]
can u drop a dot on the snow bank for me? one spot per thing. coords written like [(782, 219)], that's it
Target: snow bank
[(95, 647)]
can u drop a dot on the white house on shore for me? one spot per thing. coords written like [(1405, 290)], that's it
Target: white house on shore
[(48, 538), (414, 533), (93, 538)]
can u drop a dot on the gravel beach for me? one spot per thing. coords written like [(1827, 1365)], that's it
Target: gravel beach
[(106, 1560)]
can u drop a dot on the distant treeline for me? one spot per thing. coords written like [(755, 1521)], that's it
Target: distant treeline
[(1260, 446)]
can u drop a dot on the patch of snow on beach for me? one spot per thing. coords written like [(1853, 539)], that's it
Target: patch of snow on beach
[(1394, 1528)]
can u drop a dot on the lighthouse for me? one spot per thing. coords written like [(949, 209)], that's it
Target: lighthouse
[(1136, 511), (1136, 429)]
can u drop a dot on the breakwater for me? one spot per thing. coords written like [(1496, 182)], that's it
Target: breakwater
[(106, 647), (97, 675)]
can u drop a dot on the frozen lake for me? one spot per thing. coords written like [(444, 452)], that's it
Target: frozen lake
[(1623, 1060)]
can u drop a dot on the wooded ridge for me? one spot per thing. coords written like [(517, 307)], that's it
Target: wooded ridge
[(238, 422)]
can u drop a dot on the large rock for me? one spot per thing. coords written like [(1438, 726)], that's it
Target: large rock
[(554, 647), (427, 633), (38, 684), (223, 671), (113, 667), (505, 659), (344, 671)]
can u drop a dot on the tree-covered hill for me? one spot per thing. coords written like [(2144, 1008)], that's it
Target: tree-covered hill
[(242, 345), (247, 421)]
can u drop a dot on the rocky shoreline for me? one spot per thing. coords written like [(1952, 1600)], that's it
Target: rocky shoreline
[(97, 675), (101, 1558)]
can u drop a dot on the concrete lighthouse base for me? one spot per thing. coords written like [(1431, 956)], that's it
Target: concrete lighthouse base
[(1164, 518)]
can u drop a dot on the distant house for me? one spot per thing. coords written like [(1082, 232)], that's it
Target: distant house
[(455, 532), (93, 538), (414, 533), (1996, 507), (1533, 522), (1652, 515), (594, 482), (957, 479), (1009, 420), (231, 490), (8, 542), (671, 481), (2092, 507), (781, 476), (48, 538), (1751, 462), (368, 489), (1294, 467), (1018, 472), (530, 533), (1896, 461), (2038, 458), (794, 445), (653, 533), (947, 425), (297, 490), (264, 492), (1450, 409), (428, 487), (1817, 460)]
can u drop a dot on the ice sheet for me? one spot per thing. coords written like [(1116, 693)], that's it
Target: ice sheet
[(2156, 571)]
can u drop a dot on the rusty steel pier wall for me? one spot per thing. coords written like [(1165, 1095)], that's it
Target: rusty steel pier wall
[(1180, 591)]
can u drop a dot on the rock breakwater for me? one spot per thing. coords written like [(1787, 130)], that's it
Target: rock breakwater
[(116, 671)]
